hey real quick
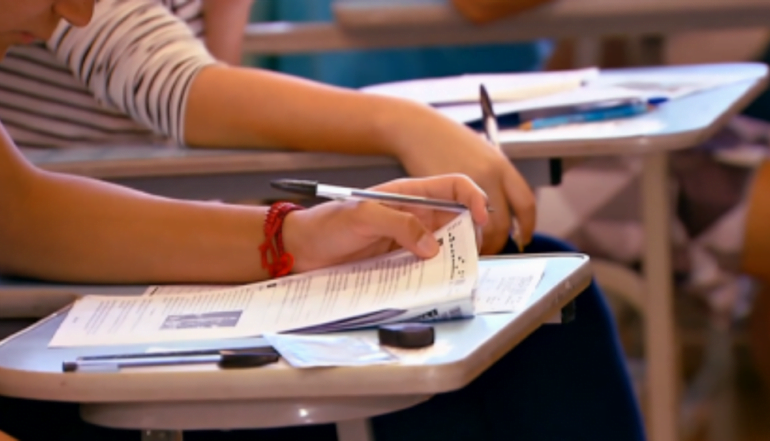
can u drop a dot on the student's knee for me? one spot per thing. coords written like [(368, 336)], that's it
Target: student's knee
[(548, 244), (541, 244)]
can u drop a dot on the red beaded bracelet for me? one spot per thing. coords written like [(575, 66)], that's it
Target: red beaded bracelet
[(274, 258)]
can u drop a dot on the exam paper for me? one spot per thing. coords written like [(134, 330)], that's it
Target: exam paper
[(501, 87), (507, 287), (499, 288), (395, 287), (670, 85), (468, 113)]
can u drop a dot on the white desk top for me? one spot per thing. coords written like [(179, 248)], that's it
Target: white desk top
[(463, 349), (148, 160), (231, 175)]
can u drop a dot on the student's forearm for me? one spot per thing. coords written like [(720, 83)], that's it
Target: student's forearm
[(72, 229), (241, 107)]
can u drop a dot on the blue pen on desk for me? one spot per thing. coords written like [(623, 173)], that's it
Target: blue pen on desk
[(620, 111)]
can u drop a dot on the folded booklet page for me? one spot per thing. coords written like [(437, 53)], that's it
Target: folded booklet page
[(503, 285), (394, 287)]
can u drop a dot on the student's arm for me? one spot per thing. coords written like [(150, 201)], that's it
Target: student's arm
[(242, 107), (224, 22), (168, 81), (68, 228)]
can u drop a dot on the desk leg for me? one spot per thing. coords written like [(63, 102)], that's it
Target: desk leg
[(662, 409), (162, 435), (355, 430)]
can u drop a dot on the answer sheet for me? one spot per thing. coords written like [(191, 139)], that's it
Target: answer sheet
[(507, 285), (501, 87), (394, 287)]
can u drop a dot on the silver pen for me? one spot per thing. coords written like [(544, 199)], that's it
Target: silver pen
[(492, 133), (315, 189)]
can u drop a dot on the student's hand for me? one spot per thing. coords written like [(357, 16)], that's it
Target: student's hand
[(436, 146), (337, 232)]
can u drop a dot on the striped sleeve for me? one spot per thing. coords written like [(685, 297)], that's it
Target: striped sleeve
[(138, 57)]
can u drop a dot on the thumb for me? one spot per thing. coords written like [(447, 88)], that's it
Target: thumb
[(404, 228)]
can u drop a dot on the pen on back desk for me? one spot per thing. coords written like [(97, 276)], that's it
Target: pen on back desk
[(492, 133), (602, 110)]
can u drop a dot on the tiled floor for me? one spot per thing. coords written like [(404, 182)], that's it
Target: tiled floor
[(748, 419)]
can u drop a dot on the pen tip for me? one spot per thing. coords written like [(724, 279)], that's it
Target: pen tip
[(486, 102)]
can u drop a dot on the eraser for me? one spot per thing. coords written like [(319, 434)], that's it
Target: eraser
[(69, 366), (406, 335), (246, 359)]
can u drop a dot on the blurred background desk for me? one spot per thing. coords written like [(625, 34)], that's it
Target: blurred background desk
[(369, 24)]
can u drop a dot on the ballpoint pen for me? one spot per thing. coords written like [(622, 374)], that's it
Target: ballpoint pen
[(492, 133), (315, 189)]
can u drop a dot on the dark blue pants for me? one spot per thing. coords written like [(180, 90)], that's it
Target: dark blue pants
[(564, 382)]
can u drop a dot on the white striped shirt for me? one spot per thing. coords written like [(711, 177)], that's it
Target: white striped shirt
[(124, 78)]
